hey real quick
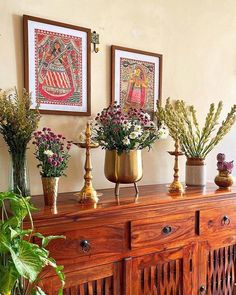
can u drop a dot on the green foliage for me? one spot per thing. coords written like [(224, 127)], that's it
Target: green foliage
[(17, 119), (21, 261), (183, 125)]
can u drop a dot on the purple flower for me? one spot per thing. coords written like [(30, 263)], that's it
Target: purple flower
[(221, 157)]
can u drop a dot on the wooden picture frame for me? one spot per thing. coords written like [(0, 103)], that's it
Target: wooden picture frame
[(136, 78), (57, 66)]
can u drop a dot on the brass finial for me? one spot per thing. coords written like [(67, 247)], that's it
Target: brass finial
[(88, 194), (176, 186)]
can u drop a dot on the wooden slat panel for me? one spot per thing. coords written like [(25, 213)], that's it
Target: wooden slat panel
[(220, 272), (159, 277)]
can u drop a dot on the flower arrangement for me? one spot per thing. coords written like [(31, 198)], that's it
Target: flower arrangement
[(134, 130), (183, 125), (223, 166), (52, 151), (17, 124)]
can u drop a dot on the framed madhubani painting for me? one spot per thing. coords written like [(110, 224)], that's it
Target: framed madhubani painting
[(136, 78), (57, 66)]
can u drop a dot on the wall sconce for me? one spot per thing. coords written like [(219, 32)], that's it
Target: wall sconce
[(95, 41)]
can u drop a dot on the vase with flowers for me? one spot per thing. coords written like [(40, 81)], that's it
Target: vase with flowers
[(195, 142), (123, 135), (17, 124), (224, 179), (52, 152)]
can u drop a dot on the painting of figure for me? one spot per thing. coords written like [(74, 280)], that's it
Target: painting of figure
[(57, 66), (136, 78), (59, 69)]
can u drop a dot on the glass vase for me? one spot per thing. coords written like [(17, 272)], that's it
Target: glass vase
[(19, 174)]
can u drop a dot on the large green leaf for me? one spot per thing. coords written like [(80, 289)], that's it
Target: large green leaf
[(27, 261), (4, 242), (46, 240), (37, 291), (8, 277), (13, 222)]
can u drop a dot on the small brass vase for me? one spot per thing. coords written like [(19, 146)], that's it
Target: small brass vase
[(124, 168), (224, 179), (50, 190)]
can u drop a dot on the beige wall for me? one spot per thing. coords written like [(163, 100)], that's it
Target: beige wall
[(196, 38)]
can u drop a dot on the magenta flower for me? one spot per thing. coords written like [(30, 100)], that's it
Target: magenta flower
[(221, 157)]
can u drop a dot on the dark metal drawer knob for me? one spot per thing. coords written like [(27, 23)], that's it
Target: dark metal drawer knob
[(225, 220), (167, 230), (85, 245), (202, 289)]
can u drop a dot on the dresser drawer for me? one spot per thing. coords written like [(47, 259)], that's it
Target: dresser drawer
[(162, 230), (215, 220), (87, 244)]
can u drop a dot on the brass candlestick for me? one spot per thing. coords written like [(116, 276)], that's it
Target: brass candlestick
[(88, 194), (176, 186)]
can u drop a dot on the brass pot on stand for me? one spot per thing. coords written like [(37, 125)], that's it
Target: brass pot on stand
[(124, 168)]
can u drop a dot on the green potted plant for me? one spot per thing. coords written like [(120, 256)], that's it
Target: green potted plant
[(21, 261), (17, 123), (123, 135), (52, 152), (195, 142)]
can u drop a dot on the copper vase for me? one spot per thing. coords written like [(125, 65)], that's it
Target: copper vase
[(124, 168), (50, 190), (224, 179)]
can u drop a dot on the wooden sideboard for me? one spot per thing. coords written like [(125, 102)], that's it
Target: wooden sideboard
[(158, 244)]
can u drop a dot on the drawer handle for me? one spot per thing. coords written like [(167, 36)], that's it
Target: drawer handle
[(85, 246), (202, 289), (225, 220), (167, 230)]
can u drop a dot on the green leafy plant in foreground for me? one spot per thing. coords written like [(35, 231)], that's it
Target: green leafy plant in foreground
[(21, 261)]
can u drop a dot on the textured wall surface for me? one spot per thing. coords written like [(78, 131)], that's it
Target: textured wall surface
[(198, 43)]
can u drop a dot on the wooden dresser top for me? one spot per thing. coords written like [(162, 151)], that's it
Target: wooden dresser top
[(150, 196)]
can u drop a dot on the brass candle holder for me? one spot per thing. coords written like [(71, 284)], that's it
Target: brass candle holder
[(88, 194), (176, 186)]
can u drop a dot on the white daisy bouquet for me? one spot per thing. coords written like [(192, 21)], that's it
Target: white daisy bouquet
[(124, 131)]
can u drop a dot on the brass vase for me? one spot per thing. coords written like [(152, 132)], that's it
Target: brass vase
[(124, 168), (224, 179), (50, 190)]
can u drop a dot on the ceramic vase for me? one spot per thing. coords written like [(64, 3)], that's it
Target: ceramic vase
[(50, 190), (195, 172)]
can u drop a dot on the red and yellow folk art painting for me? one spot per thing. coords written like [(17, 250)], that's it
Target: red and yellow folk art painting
[(136, 78), (137, 84), (57, 66), (58, 69)]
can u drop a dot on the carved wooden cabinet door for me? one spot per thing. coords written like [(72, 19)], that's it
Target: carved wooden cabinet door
[(164, 273), (217, 268), (99, 280)]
